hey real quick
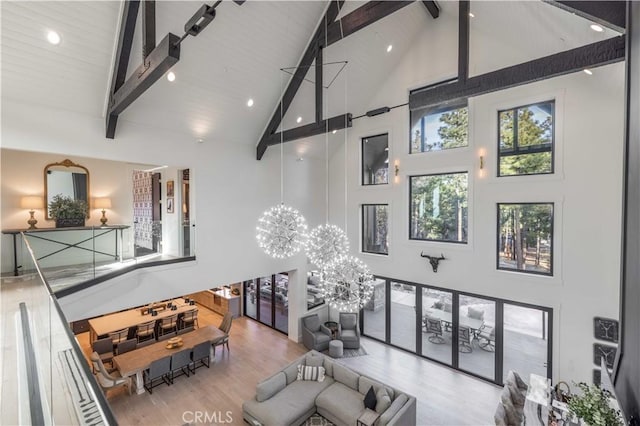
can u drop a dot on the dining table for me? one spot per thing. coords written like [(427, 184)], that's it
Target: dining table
[(135, 362), (102, 326), (446, 317)]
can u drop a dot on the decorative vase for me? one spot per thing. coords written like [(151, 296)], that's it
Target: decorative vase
[(70, 222)]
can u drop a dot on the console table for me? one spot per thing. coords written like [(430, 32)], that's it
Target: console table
[(43, 234)]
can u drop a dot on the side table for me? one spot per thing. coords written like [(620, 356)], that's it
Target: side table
[(367, 418), (333, 326)]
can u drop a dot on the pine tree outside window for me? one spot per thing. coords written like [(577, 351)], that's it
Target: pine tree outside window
[(439, 128), (375, 225), (526, 140)]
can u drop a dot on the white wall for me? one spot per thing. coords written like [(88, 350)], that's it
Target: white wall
[(586, 190)]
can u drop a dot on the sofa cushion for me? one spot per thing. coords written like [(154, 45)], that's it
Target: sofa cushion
[(396, 405), (291, 372), (328, 366), (517, 396), (513, 377), (271, 386), (308, 373), (348, 335), (370, 399), (312, 323), (289, 404), (512, 415), (383, 400), (348, 321), (342, 402), (345, 376), (365, 383), (314, 359)]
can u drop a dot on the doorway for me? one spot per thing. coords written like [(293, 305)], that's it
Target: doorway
[(147, 213)]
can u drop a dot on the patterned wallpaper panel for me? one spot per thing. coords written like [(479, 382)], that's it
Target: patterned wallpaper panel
[(142, 209)]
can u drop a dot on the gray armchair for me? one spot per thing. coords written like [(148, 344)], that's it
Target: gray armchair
[(348, 330), (314, 334)]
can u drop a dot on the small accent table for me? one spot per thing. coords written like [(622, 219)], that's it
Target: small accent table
[(367, 418), (333, 326)]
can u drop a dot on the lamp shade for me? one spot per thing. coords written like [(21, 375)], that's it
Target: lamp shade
[(102, 203), (31, 202)]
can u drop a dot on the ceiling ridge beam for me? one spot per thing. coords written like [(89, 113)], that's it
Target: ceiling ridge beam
[(121, 63), (338, 122), (433, 8), (148, 27), (589, 56), (464, 8)]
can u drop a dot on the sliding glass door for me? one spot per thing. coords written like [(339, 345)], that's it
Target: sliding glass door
[(403, 316), (526, 340), (436, 333), (477, 321), (266, 299)]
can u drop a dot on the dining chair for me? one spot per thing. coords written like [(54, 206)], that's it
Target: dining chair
[(108, 380), (146, 331), (189, 319), (464, 339), (180, 363), (434, 326), (126, 346), (200, 353), (168, 325), (104, 349), (225, 327), (159, 371), (119, 336)]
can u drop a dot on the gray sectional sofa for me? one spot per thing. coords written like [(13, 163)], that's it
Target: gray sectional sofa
[(283, 400)]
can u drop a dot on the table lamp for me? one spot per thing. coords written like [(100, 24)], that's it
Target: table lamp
[(103, 204), (31, 203)]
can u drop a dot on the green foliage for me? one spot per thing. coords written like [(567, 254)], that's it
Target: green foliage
[(592, 406), (454, 132), (65, 207)]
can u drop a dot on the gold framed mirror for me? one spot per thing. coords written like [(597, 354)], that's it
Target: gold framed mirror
[(66, 178)]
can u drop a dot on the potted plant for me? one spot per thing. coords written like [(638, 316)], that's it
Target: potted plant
[(592, 406), (67, 211)]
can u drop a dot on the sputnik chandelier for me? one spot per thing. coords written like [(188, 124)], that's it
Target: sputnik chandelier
[(281, 231), (326, 244), (348, 285)]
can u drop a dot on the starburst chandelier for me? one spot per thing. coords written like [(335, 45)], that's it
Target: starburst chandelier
[(281, 231), (348, 285), (326, 244)]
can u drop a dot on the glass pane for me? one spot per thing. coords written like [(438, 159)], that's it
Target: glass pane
[(439, 207), (436, 324), (374, 324), (526, 236), (375, 160), (436, 130), (374, 228), (282, 302), (476, 336), (526, 143), (314, 289), (526, 339), (250, 301), (403, 315), (265, 301)]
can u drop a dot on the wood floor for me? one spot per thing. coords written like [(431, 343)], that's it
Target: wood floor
[(445, 397)]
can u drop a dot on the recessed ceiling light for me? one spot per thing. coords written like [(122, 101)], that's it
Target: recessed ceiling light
[(386, 148), (334, 132), (171, 76), (471, 15), (299, 119), (250, 103), (597, 28), (53, 37), (389, 48), (199, 140), (386, 161), (300, 159), (588, 71)]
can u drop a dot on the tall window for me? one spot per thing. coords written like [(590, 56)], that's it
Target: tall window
[(375, 160), (525, 237), (526, 140), (435, 129), (439, 208), (375, 228)]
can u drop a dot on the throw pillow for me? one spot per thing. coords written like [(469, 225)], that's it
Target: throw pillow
[(314, 359), (270, 387), (510, 411), (475, 313), (310, 373), (384, 400), (370, 399), (517, 396)]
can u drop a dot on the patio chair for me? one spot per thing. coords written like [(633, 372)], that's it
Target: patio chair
[(487, 338), (464, 339), (434, 326)]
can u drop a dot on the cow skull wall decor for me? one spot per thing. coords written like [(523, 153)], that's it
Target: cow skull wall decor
[(434, 261)]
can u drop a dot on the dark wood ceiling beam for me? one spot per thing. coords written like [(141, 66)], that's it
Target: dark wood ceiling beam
[(319, 74), (609, 13), (158, 62), (589, 56), (298, 77), (464, 8), (123, 53), (360, 18), (148, 27), (433, 8), (338, 122)]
